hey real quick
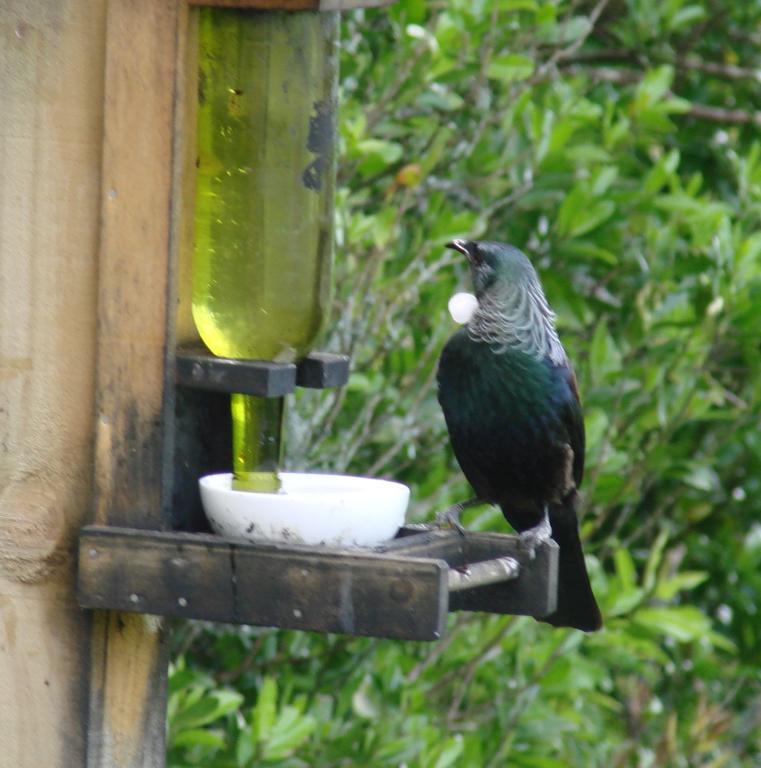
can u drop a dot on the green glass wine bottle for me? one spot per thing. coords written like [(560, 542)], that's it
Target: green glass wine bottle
[(264, 203)]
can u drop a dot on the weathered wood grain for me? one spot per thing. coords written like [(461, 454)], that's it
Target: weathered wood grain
[(142, 41), (129, 655), (51, 107), (51, 84), (354, 594), (186, 150), (170, 574), (399, 590), (205, 577)]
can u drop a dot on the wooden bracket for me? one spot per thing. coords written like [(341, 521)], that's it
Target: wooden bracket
[(197, 369), (247, 377), (402, 589), (321, 370)]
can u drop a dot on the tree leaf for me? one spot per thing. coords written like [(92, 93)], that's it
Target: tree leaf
[(683, 623), (265, 712), (510, 68)]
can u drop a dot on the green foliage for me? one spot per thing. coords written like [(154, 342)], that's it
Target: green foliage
[(616, 144)]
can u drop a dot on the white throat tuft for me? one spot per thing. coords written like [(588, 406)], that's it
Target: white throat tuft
[(462, 307)]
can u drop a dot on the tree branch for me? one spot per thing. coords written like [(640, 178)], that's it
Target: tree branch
[(689, 63), (719, 69), (705, 112), (724, 116), (563, 54)]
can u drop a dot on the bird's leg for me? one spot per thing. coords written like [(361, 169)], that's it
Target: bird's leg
[(534, 537), (451, 515)]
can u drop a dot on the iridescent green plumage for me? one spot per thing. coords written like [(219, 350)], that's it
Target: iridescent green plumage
[(512, 408)]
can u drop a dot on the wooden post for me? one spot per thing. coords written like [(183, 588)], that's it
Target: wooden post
[(78, 689), (129, 652), (51, 102)]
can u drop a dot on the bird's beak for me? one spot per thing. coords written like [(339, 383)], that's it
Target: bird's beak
[(468, 249), (461, 246)]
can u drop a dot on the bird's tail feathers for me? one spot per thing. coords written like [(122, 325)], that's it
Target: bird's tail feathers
[(576, 604)]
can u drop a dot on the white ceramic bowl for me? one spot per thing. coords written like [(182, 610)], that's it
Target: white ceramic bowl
[(327, 510)]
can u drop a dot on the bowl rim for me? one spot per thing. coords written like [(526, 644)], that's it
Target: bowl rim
[(220, 484)]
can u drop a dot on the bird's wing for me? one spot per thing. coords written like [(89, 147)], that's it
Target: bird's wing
[(573, 420)]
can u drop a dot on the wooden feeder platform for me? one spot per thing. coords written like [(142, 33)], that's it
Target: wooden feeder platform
[(402, 589)]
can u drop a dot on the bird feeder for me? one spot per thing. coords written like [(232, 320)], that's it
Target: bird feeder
[(252, 197), (196, 175)]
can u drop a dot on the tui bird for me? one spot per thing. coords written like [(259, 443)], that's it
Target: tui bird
[(511, 405)]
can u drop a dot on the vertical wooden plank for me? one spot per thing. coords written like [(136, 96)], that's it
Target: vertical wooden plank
[(141, 60), (129, 653), (51, 120), (187, 154)]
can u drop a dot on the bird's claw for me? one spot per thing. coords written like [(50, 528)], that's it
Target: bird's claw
[(530, 540), (450, 517)]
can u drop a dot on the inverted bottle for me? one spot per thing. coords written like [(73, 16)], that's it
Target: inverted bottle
[(263, 216)]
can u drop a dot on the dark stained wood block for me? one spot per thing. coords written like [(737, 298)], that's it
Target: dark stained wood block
[(355, 594), (263, 378), (153, 572), (397, 590), (197, 369), (533, 594), (320, 370), (202, 446), (200, 576)]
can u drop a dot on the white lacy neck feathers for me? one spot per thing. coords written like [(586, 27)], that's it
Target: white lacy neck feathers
[(518, 317)]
